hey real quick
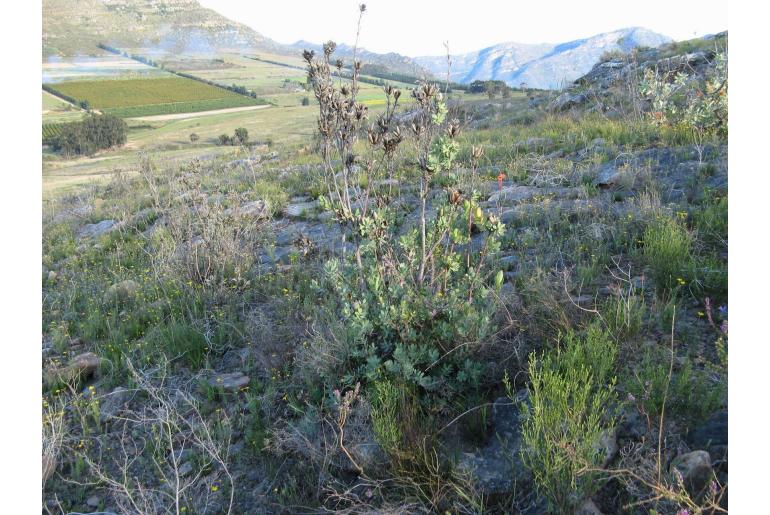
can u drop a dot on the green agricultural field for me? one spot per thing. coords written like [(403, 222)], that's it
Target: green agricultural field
[(51, 130), (278, 83), (145, 97), (184, 107)]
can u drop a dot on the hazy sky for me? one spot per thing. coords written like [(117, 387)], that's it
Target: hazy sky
[(419, 27)]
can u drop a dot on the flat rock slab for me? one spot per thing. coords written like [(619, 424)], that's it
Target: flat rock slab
[(710, 434), (257, 209), (695, 471), (81, 366), (97, 229), (121, 292), (522, 193), (497, 466), (231, 382), (299, 209)]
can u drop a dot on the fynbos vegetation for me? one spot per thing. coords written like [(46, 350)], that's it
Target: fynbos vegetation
[(433, 303)]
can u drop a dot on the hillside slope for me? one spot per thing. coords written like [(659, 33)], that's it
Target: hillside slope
[(74, 27), (546, 65)]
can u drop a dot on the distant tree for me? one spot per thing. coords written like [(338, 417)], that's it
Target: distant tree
[(95, 132), (194, 137), (477, 86), (224, 139), (241, 136), (306, 101), (506, 92), (85, 105)]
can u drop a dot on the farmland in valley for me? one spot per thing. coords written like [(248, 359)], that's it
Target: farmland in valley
[(285, 125), (146, 97)]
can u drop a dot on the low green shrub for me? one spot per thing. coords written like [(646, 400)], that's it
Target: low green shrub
[(690, 395), (570, 391)]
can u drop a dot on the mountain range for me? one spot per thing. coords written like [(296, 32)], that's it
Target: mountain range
[(545, 65), (75, 27)]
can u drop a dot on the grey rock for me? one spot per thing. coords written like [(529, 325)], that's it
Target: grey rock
[(299, 209), (608, 446), (97, 229), (185, 469), (507, 288), (256, 209), (534, 144), (711, 435), (247, 163), (181, 455), (509, 262), (93, 501), (582, 299), (587, 507), (632, 424), (520, 193), (567, 101), (74, 213), (86, 364), (556, 154), (597, 144), (369, 455), (608, 176), (497, 467), (695, 470), (231, 382), (276, 255), (112, 403), (121, 292)]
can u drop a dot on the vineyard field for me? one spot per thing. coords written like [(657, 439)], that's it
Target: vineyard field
[(144, 97)]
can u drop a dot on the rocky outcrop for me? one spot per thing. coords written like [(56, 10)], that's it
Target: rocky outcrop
[(123, 291), (82, 366), (231, 382), (497, 467), (98, 229), (607, 73), (694, 471), (567, 101)]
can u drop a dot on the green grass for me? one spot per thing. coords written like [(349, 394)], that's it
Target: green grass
[(668, 252), (569, 134), (56, 110), (184, 107), (135, 97), (52, 103)]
